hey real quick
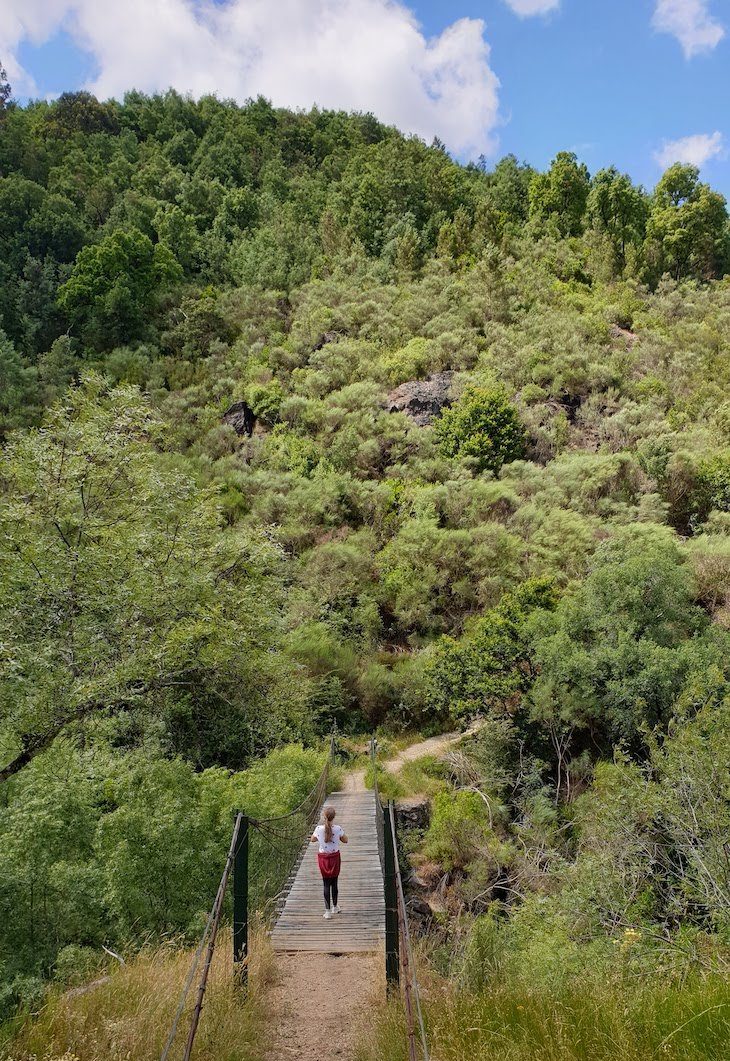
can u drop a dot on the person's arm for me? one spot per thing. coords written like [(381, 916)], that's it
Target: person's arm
[(313, 839), (343, 838)]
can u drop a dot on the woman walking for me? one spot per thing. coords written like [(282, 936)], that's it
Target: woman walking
[(329, 837)]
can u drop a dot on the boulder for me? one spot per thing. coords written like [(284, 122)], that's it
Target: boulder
[(629, 337), (422, 399), (419, 911), (413, 813), (328, 337), (241, 417)]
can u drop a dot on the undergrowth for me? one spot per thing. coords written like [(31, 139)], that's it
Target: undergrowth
[(128, 1017), (613, 1022)]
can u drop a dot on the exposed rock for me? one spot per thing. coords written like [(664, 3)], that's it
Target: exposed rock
[(420, 911), (629, 337), (241, 417), (422, 399), (413, 813), (328, 337)]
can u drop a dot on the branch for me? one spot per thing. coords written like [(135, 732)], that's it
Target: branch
[(32, 744)]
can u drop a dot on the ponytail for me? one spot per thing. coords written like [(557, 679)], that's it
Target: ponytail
[(328, 816)]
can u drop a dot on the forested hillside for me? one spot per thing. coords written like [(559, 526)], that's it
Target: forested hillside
[(303, 422)]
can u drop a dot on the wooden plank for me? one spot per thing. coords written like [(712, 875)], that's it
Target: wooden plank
[(361, 926)]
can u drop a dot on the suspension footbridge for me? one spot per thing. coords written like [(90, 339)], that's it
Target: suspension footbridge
[(276, 882), (361, 926)]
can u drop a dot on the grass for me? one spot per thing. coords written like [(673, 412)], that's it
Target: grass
[(611, 1022), (389, 785), (423, 777), (129, 1017), (416, 777)]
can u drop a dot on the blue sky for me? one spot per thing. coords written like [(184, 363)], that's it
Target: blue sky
[(635, 83)]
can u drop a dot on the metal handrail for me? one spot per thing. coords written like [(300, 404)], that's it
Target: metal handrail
[(407, 974), (411, 991)]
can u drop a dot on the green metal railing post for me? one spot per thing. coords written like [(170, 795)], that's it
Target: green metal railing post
[(240, 903), (392, 962)]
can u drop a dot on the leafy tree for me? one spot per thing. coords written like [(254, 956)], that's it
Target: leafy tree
[(490, 668), (561, 194), (693, 771), (80, 112), (619, 210), (115, 286), (687, 229), (119, 592), (6, 91), (19, 392), (483, 424), (509, 189), (617, 652)]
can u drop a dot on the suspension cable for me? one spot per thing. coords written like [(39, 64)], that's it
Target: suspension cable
[(411, 978), (406, 939), (214, 911)]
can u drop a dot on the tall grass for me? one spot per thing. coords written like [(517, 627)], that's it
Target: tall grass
[(389, 785), (128, 1017), (615, 1022)]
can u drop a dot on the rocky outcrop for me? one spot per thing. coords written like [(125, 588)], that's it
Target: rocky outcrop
[(413, 813), (241, 418), (328, 337), (422, 399), (629, 337)]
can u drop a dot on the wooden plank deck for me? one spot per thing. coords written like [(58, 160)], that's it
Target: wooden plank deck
[(361, 925)]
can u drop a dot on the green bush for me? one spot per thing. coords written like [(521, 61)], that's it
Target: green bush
[(482, 424), (458, 830)]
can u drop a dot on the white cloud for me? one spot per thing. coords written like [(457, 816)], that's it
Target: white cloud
[(351, 54), (691, 22), (696, 150), (525, 8)]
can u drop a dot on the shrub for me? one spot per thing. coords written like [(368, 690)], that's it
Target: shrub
[(459, 827), (483, 424)]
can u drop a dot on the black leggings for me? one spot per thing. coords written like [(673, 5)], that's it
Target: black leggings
[(330, 890)]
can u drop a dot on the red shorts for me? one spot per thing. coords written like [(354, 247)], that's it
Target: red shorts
[(329, 865)]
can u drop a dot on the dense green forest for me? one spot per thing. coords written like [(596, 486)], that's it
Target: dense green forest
[(305, 423)]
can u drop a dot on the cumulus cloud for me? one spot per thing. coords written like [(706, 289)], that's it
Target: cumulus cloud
[(368, 55), (525, 8), (691, 22), (696, 150)]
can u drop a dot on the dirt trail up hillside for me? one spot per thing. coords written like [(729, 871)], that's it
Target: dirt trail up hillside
[(355, 781)]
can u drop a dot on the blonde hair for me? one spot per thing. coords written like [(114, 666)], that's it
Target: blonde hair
[(328, 816)]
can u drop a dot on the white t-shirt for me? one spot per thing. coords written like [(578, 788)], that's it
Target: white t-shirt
[(334, 844)]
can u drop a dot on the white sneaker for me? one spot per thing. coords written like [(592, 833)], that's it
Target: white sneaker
[(336, 910), (327, 915)]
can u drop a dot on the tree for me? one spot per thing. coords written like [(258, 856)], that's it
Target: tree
[(80, 112), (687, 231), (19, 390), (482, 424), (615, 656), (561, 194), (6, 91), (120, 593), (509, 189), (115, 287), (489, 669), (619, 210)]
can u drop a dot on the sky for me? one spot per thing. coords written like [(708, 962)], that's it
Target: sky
[(634, 83)]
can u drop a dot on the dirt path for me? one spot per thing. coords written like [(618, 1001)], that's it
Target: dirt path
[(432, 746), (320, 1004), (309, 986), (355, 780)]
